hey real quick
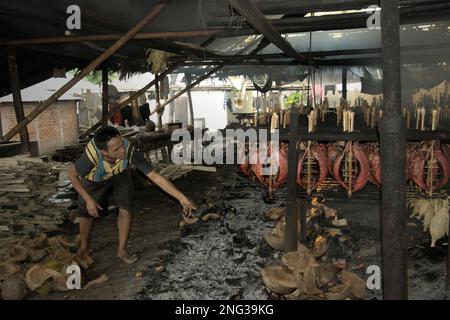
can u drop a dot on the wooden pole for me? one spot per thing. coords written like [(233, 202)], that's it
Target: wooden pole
[(260, 23), (344, 83), (112, 37), (159, 112), (131, 98), (392, 132), (105, 110), (156, 9), (17, 97), (193, 84), (191, 107), (290, 241)]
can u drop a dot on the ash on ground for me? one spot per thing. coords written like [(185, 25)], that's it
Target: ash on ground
[(219, 259)]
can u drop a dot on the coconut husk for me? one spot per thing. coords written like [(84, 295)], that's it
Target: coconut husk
[(36, 243), (54, 243), (36, 256), (319, 250), (339, 292), (274, 241), (309, 280), (210, 216), (61, 255), (296, 295), (297, 259), (280, 227), (97, 281), (17, 253), (13, 288), (190, 220), (275, 213), (326, 272), (36, 276), (358, 287), (289, 260), (278, 280), (8, 269), (66, 243), (58, 281)]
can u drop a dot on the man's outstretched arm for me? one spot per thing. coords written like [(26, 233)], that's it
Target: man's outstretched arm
[(168, 187)]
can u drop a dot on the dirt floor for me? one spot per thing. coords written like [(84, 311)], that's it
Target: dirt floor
[(222, 259)]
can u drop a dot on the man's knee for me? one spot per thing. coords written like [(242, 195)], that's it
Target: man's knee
[(124, 212)]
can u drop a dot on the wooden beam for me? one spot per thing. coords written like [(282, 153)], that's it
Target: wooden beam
[(17, 97), (156, 9), (193, 84), (190, 105), (105, 96), (131, 98), (113, 37), (259, 22)]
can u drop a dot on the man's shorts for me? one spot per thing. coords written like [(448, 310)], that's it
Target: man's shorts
[(121, 187)]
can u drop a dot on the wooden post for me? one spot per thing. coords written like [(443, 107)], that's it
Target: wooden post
[(344, 83), (392, 132), (290, 240), (159, 111), (191, 107), (105, 93), (127, 101), (17, 97), (156, 9)]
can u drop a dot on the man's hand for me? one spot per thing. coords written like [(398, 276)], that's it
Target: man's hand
[(188, 206), (92, 207)]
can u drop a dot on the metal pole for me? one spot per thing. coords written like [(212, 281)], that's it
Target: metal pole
[(392, 131), (17, 97), (156, 9), (290, 238), (105, 93)]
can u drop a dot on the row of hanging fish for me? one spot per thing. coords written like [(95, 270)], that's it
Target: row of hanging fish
[(352, 164)]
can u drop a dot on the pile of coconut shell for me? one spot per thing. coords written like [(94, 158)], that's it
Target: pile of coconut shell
[(38, 266), (308, 273)]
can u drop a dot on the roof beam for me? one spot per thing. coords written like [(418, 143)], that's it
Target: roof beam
[(112, 37), (155, 10), (259, 22)]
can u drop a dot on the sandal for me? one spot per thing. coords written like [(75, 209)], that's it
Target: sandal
[(130, 259)]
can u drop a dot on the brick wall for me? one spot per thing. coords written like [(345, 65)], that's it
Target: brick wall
[(54, 128)]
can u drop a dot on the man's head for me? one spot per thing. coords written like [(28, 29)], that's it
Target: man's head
[(110, 143)]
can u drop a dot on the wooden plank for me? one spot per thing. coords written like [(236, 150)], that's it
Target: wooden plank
[(15, 189)]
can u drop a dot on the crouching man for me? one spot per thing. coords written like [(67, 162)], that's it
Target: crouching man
[(104, 168)]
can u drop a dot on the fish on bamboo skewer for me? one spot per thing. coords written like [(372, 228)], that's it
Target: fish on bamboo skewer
[(351, 168), (312, 167)]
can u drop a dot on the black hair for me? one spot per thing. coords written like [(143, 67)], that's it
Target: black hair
[(103, 135)]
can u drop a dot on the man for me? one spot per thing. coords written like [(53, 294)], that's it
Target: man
[(104, 167)]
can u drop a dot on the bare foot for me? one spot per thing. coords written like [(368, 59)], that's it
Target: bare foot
[(85, 257), (126, 258)]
